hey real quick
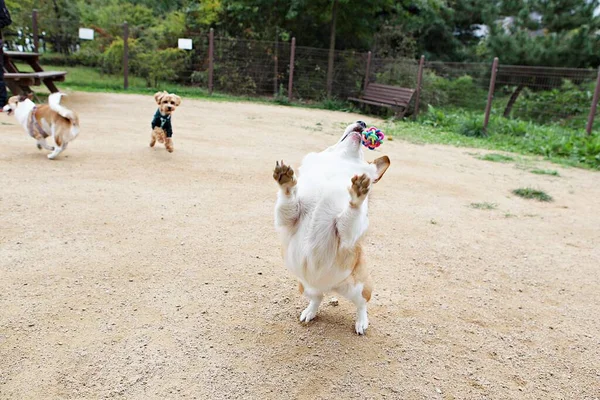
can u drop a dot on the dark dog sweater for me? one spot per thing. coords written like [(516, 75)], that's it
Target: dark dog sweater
[(163, 122)]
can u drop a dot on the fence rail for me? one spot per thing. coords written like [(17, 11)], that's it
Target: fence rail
[(280, 68)]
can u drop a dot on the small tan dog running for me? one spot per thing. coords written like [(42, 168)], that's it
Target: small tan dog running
[(40, 122), (161, 122)]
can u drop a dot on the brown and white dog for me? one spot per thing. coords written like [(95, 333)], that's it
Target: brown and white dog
[(41, 122), (322, 217), (162, 130)]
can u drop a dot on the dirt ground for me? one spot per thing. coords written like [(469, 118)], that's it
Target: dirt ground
[(132, 273)]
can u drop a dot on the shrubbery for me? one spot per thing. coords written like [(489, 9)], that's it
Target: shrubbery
[(563, 105), (552, 141)]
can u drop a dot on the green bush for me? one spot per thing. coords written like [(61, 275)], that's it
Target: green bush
[(563, 105), (472, 126), (112, 59), (462, 92), (160, 65)]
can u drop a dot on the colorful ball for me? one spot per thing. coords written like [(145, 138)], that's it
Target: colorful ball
[(372, 138)]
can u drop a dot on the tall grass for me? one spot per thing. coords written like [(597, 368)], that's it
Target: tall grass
[(459, 127)]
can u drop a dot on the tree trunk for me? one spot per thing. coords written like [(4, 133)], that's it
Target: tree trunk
[(512, 100), (331, 48)]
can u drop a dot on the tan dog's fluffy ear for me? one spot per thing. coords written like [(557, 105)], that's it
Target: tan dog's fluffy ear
[(382, 164), (177, 100), (158, 96)]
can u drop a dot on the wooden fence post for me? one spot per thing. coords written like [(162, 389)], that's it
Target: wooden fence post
[(590, 123), (367, 70), (291, 79), (125, 55), (276, 66), (211, 59), (488, 106), (34, 28), (419, 84)]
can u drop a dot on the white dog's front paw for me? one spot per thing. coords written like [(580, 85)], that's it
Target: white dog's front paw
[(52, 156), (308, 314), (362, 323), (359, 189)]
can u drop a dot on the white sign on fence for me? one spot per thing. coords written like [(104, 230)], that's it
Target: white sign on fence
[(185, 44), (86, 34)]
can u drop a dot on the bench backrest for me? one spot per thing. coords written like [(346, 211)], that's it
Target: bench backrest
[(388, 94)]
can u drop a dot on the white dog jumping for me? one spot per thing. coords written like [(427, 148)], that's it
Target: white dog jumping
[(322, 217)]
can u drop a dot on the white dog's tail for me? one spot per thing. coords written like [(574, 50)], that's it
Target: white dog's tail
[(54, 103)]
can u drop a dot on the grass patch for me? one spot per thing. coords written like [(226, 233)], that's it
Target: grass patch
[(484, 206), (495, 157), (559, 144), (550, 172), (530, 193)]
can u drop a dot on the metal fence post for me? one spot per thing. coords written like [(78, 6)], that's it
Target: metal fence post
[(367, 70), (34, 28), (590, 123), (125, 55), (419, 84), (291, 79), (488, 106), (211, 56)]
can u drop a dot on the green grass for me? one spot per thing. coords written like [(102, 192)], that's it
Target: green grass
[(495, 157), (484, 206), (545, 172), (530, 193), (560, 145)]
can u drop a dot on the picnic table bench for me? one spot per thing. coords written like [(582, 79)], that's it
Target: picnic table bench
[(21, 82), (394, 97)]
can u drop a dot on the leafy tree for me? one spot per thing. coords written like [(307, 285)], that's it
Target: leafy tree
[(442, 30), (557, 33)]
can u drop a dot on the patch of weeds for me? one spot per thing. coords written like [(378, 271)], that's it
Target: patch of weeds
[(433, 222), (545, 172), (495, 157), (484, 206), (472, 127), (530, 193), (509, 215)]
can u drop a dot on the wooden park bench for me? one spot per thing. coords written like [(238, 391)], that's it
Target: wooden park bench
[(393, 97), (21, 82)]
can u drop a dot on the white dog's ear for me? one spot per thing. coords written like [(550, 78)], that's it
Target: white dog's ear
[(382, 164), (177, 100), (158, 96)]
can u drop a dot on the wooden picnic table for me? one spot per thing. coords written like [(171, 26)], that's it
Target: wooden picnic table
[(20, 82)]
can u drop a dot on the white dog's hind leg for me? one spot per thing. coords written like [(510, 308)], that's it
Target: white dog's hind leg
[(359, 293), (352, 223), (315, 298), (287, 209), (57, 151)]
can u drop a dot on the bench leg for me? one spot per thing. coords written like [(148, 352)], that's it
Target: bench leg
[(400, 112), (51, 86), (14, 88)]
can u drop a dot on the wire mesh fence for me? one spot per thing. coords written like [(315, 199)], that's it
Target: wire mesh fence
[(249, 67), (545, 95), (262, 68)]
